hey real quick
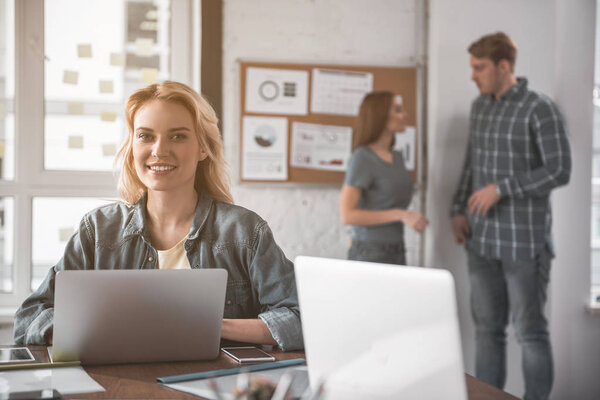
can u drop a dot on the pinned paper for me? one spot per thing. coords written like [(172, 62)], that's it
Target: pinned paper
[(109, 149), (1, 110), (152, 14), (70, 77), (76, 142), (75, 107), (65, 234), (149, 75), (143, 47), (84, 50), (108, 116), (2, 147), (117, 59), (106, 87)]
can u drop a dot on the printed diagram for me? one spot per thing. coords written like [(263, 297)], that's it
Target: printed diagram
[(276, 91), (264, 155), (324, 147), (339, 92), (405, 144)]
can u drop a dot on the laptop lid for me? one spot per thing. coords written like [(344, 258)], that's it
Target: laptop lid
[(378, 331), (126, 316)]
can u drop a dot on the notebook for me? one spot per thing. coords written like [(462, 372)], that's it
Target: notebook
[(378, 331), (129, 316)]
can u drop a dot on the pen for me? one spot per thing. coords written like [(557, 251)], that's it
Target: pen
[(11, 367)]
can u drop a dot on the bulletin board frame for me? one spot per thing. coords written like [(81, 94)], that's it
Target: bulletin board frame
[(399, 80)]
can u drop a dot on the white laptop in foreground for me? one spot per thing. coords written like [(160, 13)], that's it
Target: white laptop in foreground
[(377, 331), (126, 316)]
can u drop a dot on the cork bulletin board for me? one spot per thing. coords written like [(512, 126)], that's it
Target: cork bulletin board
[(308, 105)]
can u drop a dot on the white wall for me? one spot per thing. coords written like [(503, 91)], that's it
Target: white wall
[(356, 32), (555, 41)]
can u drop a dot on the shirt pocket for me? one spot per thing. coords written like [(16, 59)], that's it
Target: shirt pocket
[(238, 300)]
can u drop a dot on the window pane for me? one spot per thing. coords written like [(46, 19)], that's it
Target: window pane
[(6, 243), (55, 220), (7, 88), (98, 52)]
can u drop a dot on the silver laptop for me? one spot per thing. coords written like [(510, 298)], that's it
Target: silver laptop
[(375, 331), (126, 316)]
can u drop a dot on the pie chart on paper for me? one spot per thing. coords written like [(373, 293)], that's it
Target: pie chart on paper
[(265, 136)]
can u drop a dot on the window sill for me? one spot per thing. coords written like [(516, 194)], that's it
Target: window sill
[(7, 315), (593, 309)]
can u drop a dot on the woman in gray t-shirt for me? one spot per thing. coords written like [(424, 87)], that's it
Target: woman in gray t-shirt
[(377, 188)]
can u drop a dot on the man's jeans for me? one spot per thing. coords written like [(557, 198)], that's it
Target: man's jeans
[(498, 286)]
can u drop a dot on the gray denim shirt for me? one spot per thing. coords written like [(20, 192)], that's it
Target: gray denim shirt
[(260, 281)]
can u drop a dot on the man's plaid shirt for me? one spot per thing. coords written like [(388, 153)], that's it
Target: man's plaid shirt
[(518, 142)]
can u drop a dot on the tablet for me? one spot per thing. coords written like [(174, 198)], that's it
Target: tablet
[(15, 354)]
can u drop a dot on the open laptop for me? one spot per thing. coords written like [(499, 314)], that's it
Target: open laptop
[(376, 331), (127, 316)]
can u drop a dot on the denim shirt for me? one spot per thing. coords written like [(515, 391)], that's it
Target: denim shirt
[(260, 281)]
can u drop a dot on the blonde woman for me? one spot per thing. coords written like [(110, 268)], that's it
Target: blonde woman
[(377, 187), (178, 213)]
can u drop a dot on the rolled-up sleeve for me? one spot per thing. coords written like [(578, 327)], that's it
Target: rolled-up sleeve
[(272, 276)]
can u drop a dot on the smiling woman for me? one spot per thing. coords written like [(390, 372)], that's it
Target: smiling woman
[(178, 214)]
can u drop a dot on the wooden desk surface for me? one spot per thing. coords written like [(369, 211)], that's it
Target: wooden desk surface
[(138, 381)]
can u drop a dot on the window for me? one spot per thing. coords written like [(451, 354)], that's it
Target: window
[(66, 68), (595, 228)]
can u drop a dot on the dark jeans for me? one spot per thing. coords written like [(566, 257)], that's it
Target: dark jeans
[(497, 287), (387, 253)]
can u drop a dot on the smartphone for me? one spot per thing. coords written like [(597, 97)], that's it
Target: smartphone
[(15, 355), (247, 354)]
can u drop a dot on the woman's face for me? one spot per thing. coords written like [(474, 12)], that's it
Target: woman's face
[(165, 148), (396, 119)]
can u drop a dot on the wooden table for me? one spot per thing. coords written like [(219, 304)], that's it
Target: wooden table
[(138, 381)]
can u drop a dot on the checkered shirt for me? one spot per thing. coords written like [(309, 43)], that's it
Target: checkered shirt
[(519, 143)]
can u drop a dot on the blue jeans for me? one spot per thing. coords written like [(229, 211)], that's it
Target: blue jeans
[(387, 253), (497, 287)]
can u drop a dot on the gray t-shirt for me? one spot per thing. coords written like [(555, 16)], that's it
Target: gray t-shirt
[(384, 185)]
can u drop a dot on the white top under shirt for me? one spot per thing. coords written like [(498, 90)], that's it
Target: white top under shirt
[(174, 258)]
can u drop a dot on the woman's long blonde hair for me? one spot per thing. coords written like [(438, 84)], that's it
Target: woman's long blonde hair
[(373, 117), (211, 173)]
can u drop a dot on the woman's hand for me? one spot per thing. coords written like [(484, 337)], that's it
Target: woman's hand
[(415, 220)]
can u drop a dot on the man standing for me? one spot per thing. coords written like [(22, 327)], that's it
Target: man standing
[(518, 151)]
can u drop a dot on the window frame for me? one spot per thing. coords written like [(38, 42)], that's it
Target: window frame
[(30, 178)]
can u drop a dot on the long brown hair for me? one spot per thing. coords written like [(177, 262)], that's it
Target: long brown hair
[(373, 116), (211, 173)]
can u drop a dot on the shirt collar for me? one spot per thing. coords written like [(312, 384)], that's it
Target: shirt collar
[(137, 224), (515, 90)]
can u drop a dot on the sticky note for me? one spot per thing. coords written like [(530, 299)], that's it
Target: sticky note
[(117, 59), (65, 234), (70, 77), (149, 75), (109, 149), (152, 14), (2, 147), (106, 87), (108, 116), (76, 142), (84, 50), (143, 47), (75, 107)]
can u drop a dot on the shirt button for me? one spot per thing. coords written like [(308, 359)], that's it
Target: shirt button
[(150, 258)]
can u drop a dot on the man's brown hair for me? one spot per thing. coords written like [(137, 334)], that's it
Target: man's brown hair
[(496, 46)]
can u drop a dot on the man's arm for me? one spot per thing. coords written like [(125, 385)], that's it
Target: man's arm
[(550, 137)]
